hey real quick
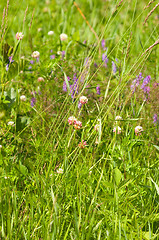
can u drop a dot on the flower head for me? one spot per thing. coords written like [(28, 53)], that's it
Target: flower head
[(35, 54), (83, 100), (60, 170), (138, 130), (77, 125), (82, 144), (63, 37), (23, 98), (117, 130), (51, 33), (72, 120), (19, 36), (11, 123), (155, 118), (98, 90), (96, 127), (118, 118)]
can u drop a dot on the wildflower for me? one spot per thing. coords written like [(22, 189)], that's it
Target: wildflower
[(19, 36), (98, 90), (96, 127), (0, 146), (10, 61), (103, 44), (31, 62), (118, 118), (117, 130), (23, 98), (52, 56), (63, 37), (40, 79), (11, 123), (138, 130), (104, 58), (33, 101), (40, 29), (35, 54), (82, 144), (83, 100), (114, 68), (77, 125), (144, 86), (51, 33), (155, 118), (72, 120), (136, 82), (60, 170)]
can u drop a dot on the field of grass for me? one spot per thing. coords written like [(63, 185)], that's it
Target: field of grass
[(79, 120)]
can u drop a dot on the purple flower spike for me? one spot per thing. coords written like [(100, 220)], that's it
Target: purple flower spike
[(98, 90), (31, 62), (155, 118), (79, 105), (33, 101), (114, 68), (136, 82)]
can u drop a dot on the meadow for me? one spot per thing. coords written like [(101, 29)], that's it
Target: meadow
[(79, 120)]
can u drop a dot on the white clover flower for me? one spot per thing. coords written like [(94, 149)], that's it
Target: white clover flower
[(19, 35), (63, 37), (83, 100), (118, 118), (60, 170), (117, 130), (39, 29), (51, 33), (138, 130), (35, 54), (23, 98), (0, 146), (11, 123)]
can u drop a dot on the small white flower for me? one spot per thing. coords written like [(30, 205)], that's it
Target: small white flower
[(63, 37), (83, 100), (138, 130), (23, 98), (0, 146), (35, 54), (118, 118), (51, 33), (60, 170), (10, 123), (39, 29)]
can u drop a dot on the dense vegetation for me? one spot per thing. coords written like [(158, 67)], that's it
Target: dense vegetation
[(79, 120)]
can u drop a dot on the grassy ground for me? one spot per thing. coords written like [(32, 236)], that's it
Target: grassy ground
[(65, 181)]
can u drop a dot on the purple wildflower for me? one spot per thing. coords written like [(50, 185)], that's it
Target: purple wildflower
[(64, 84), (10, 61), (104, 59), (103, 44), (145, 82), (31, 62), (33, 101), (37, 59), (114, 68), (95, 64), (63, 54), (155, 118), (136, 82), (52, 56), (74, 86), (30, 67), (7, 67), (98, 90)]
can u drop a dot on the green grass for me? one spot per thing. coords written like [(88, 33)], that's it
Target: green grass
[(110, 188)]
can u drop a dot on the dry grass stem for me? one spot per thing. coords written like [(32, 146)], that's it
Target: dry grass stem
[(157, 42), (151, 13), (149, 4)]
